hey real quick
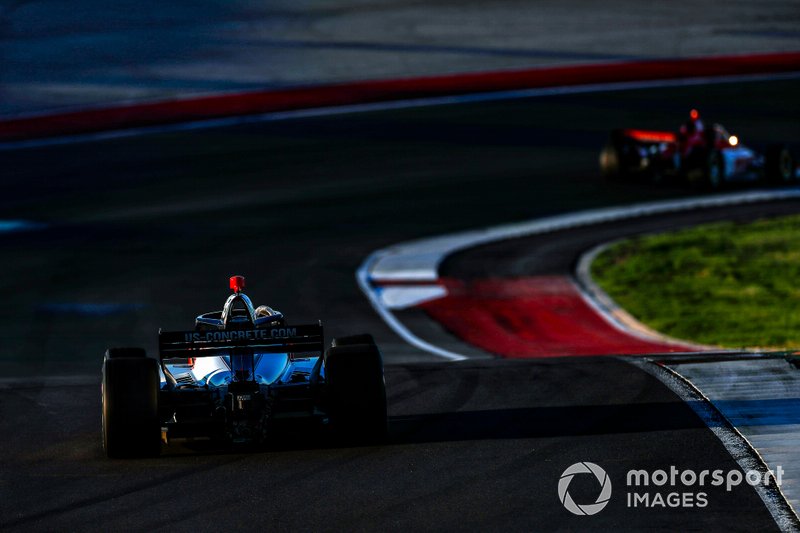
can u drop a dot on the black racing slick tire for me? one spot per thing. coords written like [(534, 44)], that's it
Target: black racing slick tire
[(779, 165), (610, 164), (356, 393), (130, 421)]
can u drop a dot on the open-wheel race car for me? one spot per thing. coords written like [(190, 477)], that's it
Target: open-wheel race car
[(702, 156), (235, 377)]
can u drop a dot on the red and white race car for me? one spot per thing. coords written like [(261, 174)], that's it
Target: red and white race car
[(700, 155)]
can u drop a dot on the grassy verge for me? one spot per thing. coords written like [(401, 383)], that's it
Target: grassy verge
[(727, 284)]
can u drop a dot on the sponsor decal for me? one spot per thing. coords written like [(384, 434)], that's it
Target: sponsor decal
[(242, 335)]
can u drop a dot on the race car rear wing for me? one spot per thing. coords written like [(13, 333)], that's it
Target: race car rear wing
[(649, 136), (283, 339)]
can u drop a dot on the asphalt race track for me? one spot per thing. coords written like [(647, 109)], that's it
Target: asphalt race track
[(480, 444), (141, 233)]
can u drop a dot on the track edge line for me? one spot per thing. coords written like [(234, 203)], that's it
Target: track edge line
[(616, 315), (363, 280), (737, 445)]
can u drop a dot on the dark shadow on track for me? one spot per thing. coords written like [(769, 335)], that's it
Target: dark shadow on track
[(489, 424), (538, 422), (478, 442)]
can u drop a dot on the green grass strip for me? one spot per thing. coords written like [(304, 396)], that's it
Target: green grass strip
[(726, 284)]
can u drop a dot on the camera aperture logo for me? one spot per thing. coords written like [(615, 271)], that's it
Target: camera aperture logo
[(589, 508), (663, 488)]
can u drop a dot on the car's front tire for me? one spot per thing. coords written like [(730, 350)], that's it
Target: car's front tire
[(130, 421)]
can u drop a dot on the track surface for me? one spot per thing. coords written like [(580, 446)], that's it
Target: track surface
[(148, 230), (557, 253), (478, 444), (148, 50)]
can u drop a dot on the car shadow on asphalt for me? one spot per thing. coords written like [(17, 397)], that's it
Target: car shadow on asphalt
[(543, 422), (490, 424)]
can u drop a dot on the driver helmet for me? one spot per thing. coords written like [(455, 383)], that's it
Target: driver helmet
[(264, 311), (694, 120)]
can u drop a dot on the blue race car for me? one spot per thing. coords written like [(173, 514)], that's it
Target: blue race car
[(236, 377)]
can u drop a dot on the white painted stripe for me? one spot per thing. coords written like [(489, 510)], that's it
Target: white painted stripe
[(388, 106), (403, 297), (362, 277)]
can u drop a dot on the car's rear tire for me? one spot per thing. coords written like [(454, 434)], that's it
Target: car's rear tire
[(610, 164), (356, 392), (779, 165), (130, 421)]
